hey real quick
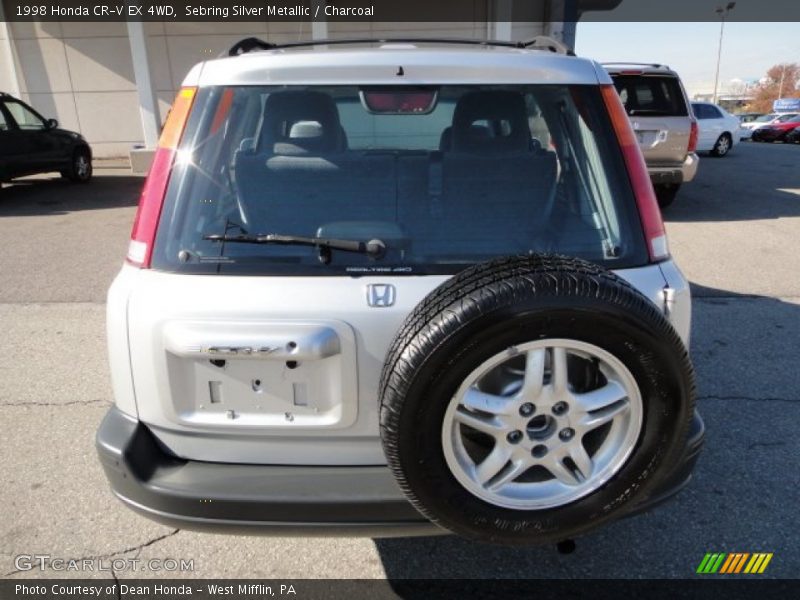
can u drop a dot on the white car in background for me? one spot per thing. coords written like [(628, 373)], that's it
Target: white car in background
[(746, 132), (718, 129)]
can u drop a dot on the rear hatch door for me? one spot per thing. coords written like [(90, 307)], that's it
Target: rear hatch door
[(659, 114)]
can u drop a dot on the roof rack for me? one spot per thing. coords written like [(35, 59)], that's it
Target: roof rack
[(248, 45), (636, 64), (541, 42), (545, 42)]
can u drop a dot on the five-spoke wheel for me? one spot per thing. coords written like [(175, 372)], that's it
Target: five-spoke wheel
[(542, 424)]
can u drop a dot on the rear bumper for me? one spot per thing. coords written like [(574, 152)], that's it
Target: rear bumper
[(280, 500), (237, 498), (674, 174), (681, 475)]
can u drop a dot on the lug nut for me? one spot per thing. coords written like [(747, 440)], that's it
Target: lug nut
[(539, 451), (514, 437), (559, 408), (566, 434), (527, 409)]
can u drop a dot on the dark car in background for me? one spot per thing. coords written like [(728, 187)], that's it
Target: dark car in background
[(793, 137), (31, 144), (777, 131)]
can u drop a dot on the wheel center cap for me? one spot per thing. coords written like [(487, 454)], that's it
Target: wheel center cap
[(541, 427)]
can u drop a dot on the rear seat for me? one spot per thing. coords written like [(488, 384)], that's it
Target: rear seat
[(300, 175), (472, 200), (490, 189)]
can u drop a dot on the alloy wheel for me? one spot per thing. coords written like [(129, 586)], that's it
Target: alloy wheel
[(542, 424)]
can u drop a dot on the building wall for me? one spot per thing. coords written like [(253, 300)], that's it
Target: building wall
[(82, 73)]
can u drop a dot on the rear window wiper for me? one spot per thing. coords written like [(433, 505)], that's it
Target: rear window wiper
[(651, 112), (374, 248)]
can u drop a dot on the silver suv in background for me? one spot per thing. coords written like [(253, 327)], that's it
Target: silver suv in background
[(665, 127)]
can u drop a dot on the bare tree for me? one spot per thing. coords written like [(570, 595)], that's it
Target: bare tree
[(736, 87), (780, 82)]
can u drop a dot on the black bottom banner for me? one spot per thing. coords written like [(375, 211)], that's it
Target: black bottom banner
[(352, 589)]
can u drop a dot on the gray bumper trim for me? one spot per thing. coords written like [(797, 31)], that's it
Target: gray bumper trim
[(280, 500), (364, 500)]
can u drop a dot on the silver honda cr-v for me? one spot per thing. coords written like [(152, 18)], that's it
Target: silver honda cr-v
[(399, 288)]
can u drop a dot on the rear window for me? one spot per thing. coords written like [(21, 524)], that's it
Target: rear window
[(706, 111), (651, 95), (445, 177)]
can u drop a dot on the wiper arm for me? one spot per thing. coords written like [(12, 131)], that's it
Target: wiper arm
[(647, 111), (373, 248)]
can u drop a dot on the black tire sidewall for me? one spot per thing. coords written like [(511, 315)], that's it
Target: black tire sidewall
[(715, 151), (73, 170), (666, 194), (654, 363)]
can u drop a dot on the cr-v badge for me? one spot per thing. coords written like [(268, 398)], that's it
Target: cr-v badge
[(381, 295)]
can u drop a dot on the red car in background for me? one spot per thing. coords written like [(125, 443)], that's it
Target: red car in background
[(776, 132)]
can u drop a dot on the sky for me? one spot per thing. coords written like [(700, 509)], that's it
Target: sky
[(748, 49)]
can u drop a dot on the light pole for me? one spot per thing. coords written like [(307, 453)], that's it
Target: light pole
[(780, 88), (722, 12)]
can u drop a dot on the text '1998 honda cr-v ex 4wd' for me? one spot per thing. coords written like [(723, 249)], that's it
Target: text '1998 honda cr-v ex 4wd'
[(394, 289)]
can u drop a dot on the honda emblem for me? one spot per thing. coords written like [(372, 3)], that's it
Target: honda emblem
[(381, 295)]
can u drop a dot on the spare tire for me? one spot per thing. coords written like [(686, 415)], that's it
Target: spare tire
[(530, 399)]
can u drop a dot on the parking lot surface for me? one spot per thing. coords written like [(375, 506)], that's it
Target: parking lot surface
[(735, 233)]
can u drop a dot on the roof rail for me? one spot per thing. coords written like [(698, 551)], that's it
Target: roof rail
[(540, 42), (248, 45), (635, 64), (545, 42)]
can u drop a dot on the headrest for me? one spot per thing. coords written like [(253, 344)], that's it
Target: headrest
[(301, 120), (504, 110), (306, 130)]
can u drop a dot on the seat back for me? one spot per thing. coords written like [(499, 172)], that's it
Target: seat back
[(300, 175), (494, 188)]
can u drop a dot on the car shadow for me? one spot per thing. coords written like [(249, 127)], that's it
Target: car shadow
[(743, 349), (726, 190), (54, 195)]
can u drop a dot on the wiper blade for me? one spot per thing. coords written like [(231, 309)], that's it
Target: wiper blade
[(373, 248), (649, 111)]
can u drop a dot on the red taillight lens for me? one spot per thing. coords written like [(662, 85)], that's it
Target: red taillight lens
[(693, 137), (650, 214), (143, 235)]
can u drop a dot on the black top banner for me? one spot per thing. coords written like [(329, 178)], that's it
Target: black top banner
[(402, 10)]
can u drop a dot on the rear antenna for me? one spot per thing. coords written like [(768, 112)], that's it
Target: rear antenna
[(400, 71)]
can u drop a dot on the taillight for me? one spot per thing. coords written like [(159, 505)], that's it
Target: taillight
[(650, 214), (693, 133), (143, 235)]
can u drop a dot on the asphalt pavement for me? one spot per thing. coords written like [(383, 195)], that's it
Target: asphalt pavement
[(735, 232)]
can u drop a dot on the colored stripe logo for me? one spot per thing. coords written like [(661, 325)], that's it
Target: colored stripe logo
[(727, 563)]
